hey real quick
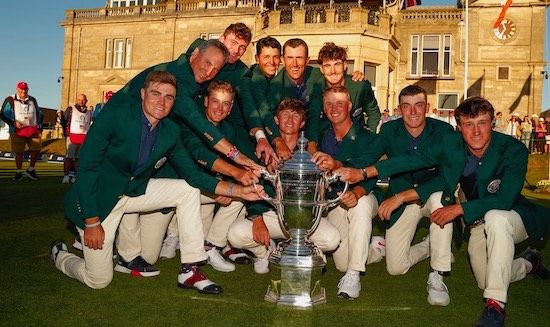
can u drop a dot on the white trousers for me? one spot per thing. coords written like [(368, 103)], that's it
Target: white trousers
[(355, 227), (491, 249), (401, 256), (325, 237), (96, 268), (215, 223)]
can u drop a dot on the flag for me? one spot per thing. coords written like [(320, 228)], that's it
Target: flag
[(525, 90), (502, 13), (404, 4)]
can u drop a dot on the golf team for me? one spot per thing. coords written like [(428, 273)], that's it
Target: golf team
[(173, 162)]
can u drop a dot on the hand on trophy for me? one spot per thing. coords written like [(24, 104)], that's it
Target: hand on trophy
[(325, 161), (352, 175), (349, 199), (260, 232), (247, 176), (250, 193), (283, 151), (265, 152)]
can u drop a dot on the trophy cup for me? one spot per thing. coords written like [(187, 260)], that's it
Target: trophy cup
[(300, 201)]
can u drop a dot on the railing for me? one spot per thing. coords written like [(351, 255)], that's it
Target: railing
[(86, 13), (187, 6), (287, 13), (315, 14), (442, 14), (249, 3), (343, 11), (217, 4)]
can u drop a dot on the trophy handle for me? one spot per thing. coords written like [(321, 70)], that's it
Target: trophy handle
[(273, 178), (331, 179)]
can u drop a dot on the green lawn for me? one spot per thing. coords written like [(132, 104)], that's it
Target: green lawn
[(34, 293)]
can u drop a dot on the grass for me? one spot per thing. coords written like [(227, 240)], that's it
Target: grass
[(34, 293)]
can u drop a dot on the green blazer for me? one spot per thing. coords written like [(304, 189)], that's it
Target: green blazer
[(244, 115), (282, 88), (260, 89), (363, 101), (500, 178), (393, 140), (353, 145), (185, 108), (108, 158)]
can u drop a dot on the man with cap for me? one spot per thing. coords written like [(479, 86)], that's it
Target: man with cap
[(21, 112), (99, 106)]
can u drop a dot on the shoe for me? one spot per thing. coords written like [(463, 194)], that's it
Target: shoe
[(169, 247), (379, 243), (493, 315), (137, 267), (194, 278), (236, 255), (217, 262), (438, 293), (66, 179), (31, 174), (73, 179), (349, 287), (57, 246), (77, 243), (539, 269), (17, 177), (261, 265)]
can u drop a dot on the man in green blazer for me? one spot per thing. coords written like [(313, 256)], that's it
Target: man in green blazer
[(340, 144), (192, 71), (483, 173), (410, 195), (332, 63), (244, 116), (126, 146)]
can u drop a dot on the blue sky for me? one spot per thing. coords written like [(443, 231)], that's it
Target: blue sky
[(33, 46)]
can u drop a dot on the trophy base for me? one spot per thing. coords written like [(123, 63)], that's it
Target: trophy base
[(296, 281)]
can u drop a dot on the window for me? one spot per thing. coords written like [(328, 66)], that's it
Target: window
[(431, 55), (209, 36), (370, 73), (118, 53), (447, 101), (503, 73)]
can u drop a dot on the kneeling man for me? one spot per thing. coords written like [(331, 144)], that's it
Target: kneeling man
[(126, 146)]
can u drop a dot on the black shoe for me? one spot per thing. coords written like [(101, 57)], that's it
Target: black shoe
[(17, 177), (32, 175), (137, 267), (539, 269), (57, 246), (236, 256), (493, 315)]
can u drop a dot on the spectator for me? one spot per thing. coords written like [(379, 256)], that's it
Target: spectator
[(526, 128), (499, 124), (100, 105), (540, 134), (513, 127), (21, 112), (76, 121)]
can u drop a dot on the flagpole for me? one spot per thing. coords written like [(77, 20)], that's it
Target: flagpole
[(466, 50)]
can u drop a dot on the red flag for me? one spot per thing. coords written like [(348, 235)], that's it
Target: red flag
[(502, 13)]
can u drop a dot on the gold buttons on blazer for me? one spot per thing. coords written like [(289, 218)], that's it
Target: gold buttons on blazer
[(447, 198)]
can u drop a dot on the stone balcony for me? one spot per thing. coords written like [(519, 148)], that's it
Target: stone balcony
[(299, 15)]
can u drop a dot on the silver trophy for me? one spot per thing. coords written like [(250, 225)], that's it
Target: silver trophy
[(296, 263)]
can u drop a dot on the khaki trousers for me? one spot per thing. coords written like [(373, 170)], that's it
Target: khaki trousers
[(355, 227), (96, 268), (325, 236), (401, 256), (491, 250), (215, 223)]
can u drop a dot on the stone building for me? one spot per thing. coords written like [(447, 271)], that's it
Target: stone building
[(106, 47)]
